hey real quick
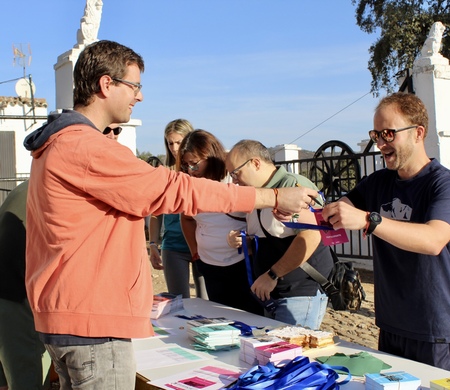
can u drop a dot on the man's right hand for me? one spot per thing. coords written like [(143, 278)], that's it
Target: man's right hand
[(296, 197)]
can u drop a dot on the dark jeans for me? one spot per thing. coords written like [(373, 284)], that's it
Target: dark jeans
[(434, 354), (229, 286)]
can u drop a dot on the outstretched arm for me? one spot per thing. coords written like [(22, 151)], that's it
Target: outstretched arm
[(285, 201), (426, 238)]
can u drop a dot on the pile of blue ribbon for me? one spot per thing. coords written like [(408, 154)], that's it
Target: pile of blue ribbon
[(298, 373)]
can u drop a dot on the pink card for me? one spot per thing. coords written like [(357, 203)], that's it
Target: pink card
[(330, 237)]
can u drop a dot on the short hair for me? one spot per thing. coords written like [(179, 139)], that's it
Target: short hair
[(410, 106), (179, 126), (205, 146), (96, 60), (251, 148)]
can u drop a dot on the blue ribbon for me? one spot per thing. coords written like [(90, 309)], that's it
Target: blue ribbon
[(269, 304), (298, 225), (246, 330), (298, 373), (248, 264)]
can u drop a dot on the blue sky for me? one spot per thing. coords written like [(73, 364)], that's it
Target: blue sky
[(271, 70)]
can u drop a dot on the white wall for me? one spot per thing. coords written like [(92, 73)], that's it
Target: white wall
[(13, 106)]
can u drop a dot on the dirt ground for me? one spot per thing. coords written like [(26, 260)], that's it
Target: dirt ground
[(356, 327)]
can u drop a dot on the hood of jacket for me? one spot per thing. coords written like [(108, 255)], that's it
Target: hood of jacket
[(55, 123)]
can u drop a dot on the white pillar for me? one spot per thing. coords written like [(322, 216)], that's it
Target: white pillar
[(87, 34), (64, 77), (287, 152), (431, 81)]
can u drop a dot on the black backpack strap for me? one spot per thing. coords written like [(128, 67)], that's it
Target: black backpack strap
[(327, 286), (242, 219)]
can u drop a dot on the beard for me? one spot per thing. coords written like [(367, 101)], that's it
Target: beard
[(399, 157)]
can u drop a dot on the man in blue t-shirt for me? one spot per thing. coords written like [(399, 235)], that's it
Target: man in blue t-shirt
[(406, 208)]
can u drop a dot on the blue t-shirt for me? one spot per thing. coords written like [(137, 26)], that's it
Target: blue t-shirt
[(173, 238), (412, 291)]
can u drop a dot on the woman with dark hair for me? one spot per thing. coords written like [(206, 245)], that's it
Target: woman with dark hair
[(175, 257), (201, 154)]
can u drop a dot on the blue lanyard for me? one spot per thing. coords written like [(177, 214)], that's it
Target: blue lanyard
[(299, 373), (298, 225), (248, 264)]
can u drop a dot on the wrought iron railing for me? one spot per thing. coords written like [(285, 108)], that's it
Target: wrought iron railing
[(335, 176)]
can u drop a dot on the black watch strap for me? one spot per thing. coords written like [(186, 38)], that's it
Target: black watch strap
[(272, 274), (374, 221)]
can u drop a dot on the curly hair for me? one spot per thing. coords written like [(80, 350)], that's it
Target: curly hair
[(410, 106), (99, 59)]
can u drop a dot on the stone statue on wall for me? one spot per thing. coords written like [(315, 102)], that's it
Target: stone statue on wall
[(432, 44), (90, 22)]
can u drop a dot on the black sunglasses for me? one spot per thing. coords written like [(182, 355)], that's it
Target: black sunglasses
[(387, 134), (116, 131)]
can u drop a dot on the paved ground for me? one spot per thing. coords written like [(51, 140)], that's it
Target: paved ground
[(355, 327)]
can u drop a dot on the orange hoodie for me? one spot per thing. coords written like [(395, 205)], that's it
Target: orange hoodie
[(88, 272)]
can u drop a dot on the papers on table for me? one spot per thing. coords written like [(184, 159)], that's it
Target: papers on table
[(170, 355), (398, 380), (166, 303), (209, 377), (215, 337), (440, 384)]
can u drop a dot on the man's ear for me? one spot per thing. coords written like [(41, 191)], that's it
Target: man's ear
[(256, 162), (420, 133), (105, 83)]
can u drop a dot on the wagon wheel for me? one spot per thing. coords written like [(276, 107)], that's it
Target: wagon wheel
[(335, 169)]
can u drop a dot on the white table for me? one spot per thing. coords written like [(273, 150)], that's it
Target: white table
[(196, 306)]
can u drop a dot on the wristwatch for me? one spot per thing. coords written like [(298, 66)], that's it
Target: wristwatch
[(272, 274), (373, 219)]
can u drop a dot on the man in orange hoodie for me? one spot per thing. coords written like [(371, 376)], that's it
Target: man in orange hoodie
[(88, 275)]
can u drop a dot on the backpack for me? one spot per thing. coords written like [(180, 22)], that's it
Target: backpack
[(347, 282), (343, 286)]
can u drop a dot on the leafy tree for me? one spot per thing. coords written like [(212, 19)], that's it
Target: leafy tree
[(403, 26), (145, 155)]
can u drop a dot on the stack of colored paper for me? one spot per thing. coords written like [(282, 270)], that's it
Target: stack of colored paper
[(440, 384), (205, 322), (165, 303), (277, 352), (398, 380), (248, 345), (215, 337)]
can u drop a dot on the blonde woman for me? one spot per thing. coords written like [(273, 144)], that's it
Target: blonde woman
[(175, 257)]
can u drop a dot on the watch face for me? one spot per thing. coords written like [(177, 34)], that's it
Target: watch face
[(375, 217)]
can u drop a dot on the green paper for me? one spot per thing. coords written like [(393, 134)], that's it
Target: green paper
[(358, 364)]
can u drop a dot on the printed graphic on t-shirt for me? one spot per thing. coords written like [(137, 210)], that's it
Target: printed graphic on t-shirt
[(396, 210)]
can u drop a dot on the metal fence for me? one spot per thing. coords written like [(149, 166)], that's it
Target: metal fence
[(335, 174)]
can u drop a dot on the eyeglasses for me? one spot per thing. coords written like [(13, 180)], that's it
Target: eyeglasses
[(193, 168), (387, 134), (136, 86), (234, 172), (116, 131)]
